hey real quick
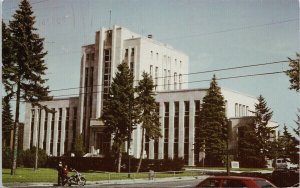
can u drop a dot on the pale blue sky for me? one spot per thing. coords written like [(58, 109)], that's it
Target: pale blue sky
[(214, 34)]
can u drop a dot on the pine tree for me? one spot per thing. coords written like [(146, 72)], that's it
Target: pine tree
[(293, 73), (119, 114), (26, 67), (262, 115), (149, 117), (213, 134), (290, 144), (7, 121)]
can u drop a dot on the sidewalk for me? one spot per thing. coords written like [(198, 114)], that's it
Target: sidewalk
[(110, 182)]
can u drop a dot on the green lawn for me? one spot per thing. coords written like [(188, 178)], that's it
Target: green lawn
[(25, 175)]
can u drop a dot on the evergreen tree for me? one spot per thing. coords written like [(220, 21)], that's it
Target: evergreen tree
[(149, 116), (293, 73), (26, 67), (213, 134), (262, 115), (119, 114), (248, 147), (7, 121), (79, 149), (7, 58), (289, 146)]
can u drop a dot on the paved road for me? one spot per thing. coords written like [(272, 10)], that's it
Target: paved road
[(179, 184)]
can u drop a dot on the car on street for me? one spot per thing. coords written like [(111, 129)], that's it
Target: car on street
[(235, 181)]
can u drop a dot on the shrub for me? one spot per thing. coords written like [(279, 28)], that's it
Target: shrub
[(28, 157), (6, 157)]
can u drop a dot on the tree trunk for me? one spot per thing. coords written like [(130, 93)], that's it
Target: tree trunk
[(119, 161), (16, 133), (142, 151)]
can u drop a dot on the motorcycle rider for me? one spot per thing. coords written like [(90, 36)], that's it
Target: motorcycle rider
[(65, 174)]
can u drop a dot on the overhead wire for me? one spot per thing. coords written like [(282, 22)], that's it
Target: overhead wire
[(192, 73)]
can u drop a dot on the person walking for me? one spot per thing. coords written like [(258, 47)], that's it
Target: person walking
[(59, 173)]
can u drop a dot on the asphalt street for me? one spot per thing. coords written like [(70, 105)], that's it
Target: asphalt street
[(183, 183)]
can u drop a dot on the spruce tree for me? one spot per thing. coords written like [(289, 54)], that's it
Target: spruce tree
[(213, 134), (26, 68), (149, 116), (119, 114), (290, 144), (262, 116), (7, 122), (294, 73), (248, 148)]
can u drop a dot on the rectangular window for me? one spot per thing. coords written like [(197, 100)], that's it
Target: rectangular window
[(180, 81), (67, 128), (236, 110), (151, 70), (176, 129), (93, 56), (166, 126), (45, 129), (175, 80), (32, 127), (59, 124), (197, 131), (169, 79), (156, 77), (165, 79)]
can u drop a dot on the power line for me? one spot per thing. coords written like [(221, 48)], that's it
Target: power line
[(233, 29), (206, 80), (196, 81), (192, 73)]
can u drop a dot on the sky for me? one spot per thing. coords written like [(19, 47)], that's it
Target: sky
[(215, 34)]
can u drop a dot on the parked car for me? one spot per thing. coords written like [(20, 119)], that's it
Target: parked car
[(235, 181), (285, 163)]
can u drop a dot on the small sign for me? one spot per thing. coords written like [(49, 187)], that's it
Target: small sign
[(235, 164)]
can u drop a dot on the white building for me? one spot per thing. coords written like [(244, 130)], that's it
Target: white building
[(179, 106)]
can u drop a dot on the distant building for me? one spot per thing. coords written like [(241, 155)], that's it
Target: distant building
[(178, 106)]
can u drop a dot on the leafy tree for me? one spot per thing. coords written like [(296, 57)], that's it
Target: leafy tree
[(7, 121), (293, 73), (119, 114), (212, 116), (262, 115), (25, 68), (148, 117), (79, 149)]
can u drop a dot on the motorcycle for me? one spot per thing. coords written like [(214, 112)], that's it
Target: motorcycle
[(76, 179)]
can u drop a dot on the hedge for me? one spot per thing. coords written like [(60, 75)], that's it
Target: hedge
[(109, 164)]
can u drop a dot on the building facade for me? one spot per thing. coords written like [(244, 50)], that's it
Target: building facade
[(179, 107)]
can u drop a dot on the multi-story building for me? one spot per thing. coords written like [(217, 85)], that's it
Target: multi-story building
[(179, 106)]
